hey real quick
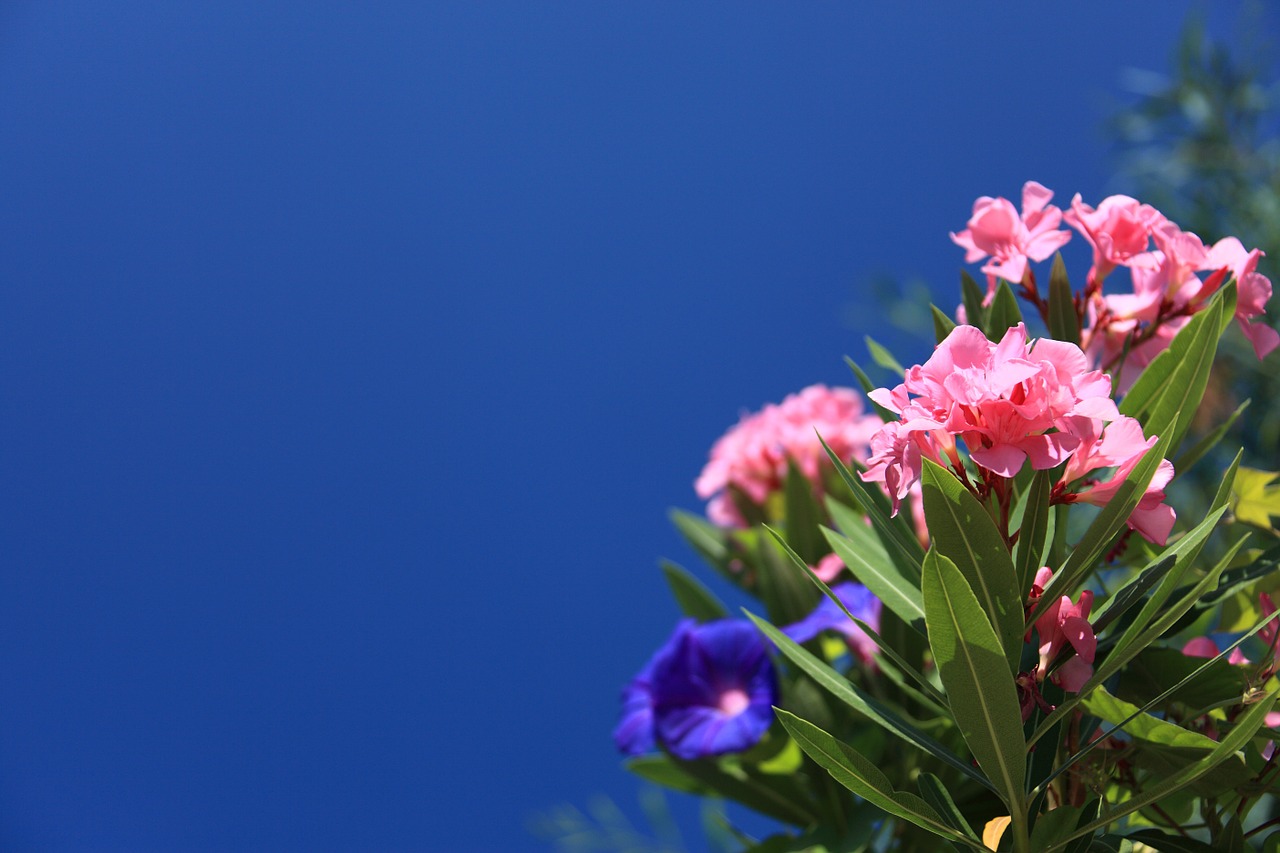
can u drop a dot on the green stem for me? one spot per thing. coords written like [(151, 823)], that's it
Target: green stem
[(1021, 833)]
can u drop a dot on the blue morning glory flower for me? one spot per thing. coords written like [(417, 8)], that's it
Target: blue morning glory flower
[(828, 616), (708, 691)]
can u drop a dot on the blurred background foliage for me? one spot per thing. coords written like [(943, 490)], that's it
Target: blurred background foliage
[(1202, 144)]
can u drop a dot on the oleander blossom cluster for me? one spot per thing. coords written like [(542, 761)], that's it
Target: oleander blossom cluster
[(750, 461), (1013, 403), (1122, 331)]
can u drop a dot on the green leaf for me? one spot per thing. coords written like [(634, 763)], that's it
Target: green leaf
[(867, 387), (1028, 554), (897, 539), (853, 770), (1246, 726), (942, 324), (1185, 550), (1003, 313), (1196, 681), (1255, 499), (1105, 527), (787, 597), (1138, 724), (1130, 645), (775, 796), (1237, 579), (1064, 323), (1168, 393), (933, 792), (883, 357), (694, 599), (659, 770), (1053, 825), (1166, 843), (710, 542), (872, 567), (848, 693), (1132, 592), (803, 515), (964, 532), (972, 295), (902, 665), (973, 668), (1190, 457)]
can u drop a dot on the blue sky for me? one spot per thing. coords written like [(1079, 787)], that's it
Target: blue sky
[(351, 357)]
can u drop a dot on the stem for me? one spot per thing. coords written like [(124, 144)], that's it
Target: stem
[(1021, 833)]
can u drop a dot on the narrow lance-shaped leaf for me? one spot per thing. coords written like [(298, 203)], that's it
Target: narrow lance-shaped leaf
[(711, 542), (933, 792), (942, 324), (1003, 313), (872, 567), (902, 665), (980, 688), (867, 387), (1157, 378), (1172, 412), (1190, 457), (787, 597), (882, 356), (860, 775), (882, 578), (972, 296), (1104, 528), (1034, 531), (964, 532), (1129, 646), (1064, 323), (694, 599), (1245, 728), (896, 538), (803, 514), (848, 693), (1185, 550)]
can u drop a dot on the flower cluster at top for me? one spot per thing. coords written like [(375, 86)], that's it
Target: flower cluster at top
[(750, 461), (1010, 403), (1125, 330)]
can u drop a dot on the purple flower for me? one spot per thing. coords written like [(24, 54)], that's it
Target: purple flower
[(859, 601), (708, 691)]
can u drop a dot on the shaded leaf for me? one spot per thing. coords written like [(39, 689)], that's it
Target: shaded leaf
[(963, 532), (1028, 554), (973, 668), (694, 599), (853, 696), (855, 772), (1003, 313), (881, 356), (942, 324), (1143, 726), (1064, 323)]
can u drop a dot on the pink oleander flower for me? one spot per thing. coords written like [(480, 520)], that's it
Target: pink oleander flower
[(1118, 229), (829, 568), (752, 457), (1065, 625), (1011, 402), (1204, 647), (1253, 290), (1121, 445), (995, 229)]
